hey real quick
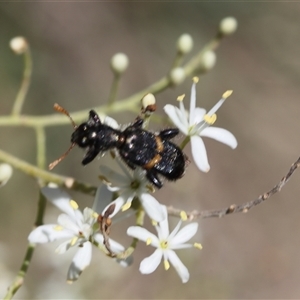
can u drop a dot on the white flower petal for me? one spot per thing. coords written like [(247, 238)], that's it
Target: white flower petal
[(179, 266), (68, 223), (81, 260), (184, 234), (181, 246), (192, 104), (65, 246), (119, 202), (182, 114), (152, 207), (176, 117), (89, 217), (221, 135), (102, 199), (199, 153), (143, 235), (199, 115), (48, 233), (163, 228), (111, 175), (115, 246), (150, 264), (125, 262), (111, 122), (61, 200), (175, 230), (113, 188)]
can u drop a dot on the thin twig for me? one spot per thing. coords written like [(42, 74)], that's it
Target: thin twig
[(127, 104), (245, 207), (45, 176)]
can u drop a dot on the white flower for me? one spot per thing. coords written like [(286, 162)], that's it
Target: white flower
[(79, 229), (133, 185), (197, 124), (166, 243), (6, 171)]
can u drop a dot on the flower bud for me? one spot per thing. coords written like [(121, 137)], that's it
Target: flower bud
[(228, 25), (148, 103), (185, 43), (119, 63), (5, 173), (177, 76), (18, 44), (209, 60)]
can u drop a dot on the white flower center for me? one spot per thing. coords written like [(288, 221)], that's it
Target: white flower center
[(164, 244)]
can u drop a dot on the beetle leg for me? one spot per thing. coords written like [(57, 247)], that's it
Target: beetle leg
[(90, 155), (168, 134), (152, 177), (93, 118), (138, 123)]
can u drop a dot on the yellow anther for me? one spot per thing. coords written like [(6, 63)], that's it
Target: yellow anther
[(198, 246), (227, 94), (126, 206), (58, 228), (154, 223), (148, 241), (95, 215), (74, 240), (181, 97), (73, 204), (183, 215), (210, 119), (166, 265), (195, 79)]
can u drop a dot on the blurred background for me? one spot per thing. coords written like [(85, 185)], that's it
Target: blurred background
[(254, 255)]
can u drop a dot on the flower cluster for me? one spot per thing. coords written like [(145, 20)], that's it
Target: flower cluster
[(127, 192)]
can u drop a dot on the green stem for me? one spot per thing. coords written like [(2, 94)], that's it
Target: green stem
[(178, 60), (195, 62), (45, 176), (41, 147), (24, 85), (41, 210), (19, 279), (185, 142), (127, 104), (114, 89)]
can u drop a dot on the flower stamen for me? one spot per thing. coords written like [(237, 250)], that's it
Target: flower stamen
[(198, 246), (195, 79), (58, 228), (183, 215), (181, 97), (74, 240), (73, 204), (166, 265), (210, 119), (126, 206)]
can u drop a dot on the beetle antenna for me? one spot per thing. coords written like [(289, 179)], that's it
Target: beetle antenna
[(62, 110), (57, 161)]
